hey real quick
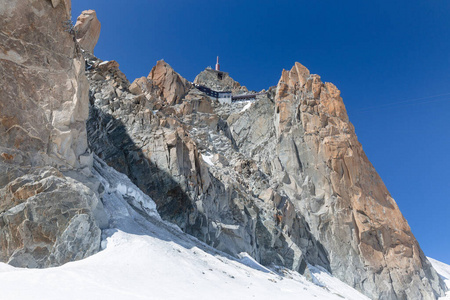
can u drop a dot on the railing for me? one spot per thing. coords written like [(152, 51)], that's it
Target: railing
[(234, 98)]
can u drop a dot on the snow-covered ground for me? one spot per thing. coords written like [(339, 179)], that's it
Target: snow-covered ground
[(207, 158), (443, 271), (247, 106), (147, 258)]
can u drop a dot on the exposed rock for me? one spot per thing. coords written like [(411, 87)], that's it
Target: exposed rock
[(46, 219), (43, 104), (285, 180), (345, 202), (219, 81), (87, 30), (172, 86), (67, 4), (162, 152)]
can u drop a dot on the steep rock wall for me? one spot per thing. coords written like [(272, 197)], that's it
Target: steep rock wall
[(349, 209), (46, 218), (283, 178), (162, 148)]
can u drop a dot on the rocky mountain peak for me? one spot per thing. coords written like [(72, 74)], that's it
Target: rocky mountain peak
[(353, 195), (219, 81), (87, 30), (172, 86)]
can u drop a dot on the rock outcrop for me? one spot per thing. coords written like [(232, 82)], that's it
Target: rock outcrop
[(348, 207), (46, 218), (87, 29), (172, 87), (219, 81)]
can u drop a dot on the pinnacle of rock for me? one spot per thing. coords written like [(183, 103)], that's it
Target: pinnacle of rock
[(87, 30), (172, 86), (363, 223)]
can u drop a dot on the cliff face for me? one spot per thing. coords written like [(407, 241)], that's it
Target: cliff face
[(46, 218), (283, 178), (349, 208)]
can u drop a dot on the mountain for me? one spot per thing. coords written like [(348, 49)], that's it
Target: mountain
[(144, 257), (280, 176), (181, 266)]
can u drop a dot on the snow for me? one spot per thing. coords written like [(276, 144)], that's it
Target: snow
[(145, 257), (247, 106), (208, 159), (324, 278), (444, 271)]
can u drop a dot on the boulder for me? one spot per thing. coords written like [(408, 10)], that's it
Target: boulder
[(46, 219)]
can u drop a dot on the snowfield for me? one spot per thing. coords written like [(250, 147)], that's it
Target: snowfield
[(147, 258), (443, 271)]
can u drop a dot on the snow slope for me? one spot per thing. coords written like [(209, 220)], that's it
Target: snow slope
[(147, 258), (443, 271)]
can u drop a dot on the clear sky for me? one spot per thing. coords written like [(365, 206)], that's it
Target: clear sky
[(390, 59)]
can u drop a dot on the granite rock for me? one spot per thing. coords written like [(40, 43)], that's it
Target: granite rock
[(219, 81), (87, 30), (345, 202), (46, 218), (172, 87), (284, 179)]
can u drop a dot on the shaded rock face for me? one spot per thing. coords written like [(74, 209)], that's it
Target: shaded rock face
[(285, 180), (43, 109), (219, 81), (87, 30)]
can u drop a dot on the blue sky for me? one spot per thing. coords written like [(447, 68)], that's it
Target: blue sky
[(390, 59)]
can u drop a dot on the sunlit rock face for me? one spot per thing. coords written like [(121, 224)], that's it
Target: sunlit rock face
[(171, 85), (87, 30), (43, 109), (283, 178), (348, 208)]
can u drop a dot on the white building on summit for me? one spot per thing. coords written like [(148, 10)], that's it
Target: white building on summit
[(222, 97)]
